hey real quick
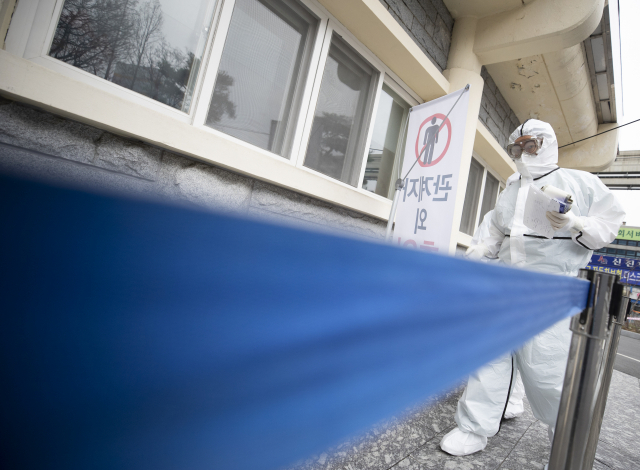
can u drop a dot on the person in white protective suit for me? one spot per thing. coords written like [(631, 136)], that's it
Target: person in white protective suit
[(484, 385), (592, 223)]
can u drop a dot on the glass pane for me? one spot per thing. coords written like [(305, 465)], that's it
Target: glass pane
[(621, 242), (471, 198), (261, 73), (390, 117), (341, 117), (611, 251), (630, 253), (153, 47), (620, 252), (603, 86), (490, 195), (632, 243)]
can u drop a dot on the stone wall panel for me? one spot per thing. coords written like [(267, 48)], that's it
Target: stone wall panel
[(29, 128), (495, 112), (127, 157), (428, 23), (51, 148)]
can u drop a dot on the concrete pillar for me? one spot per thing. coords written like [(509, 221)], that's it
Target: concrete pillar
[(464, 67)]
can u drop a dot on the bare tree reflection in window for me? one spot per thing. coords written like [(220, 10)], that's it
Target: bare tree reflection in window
[(222, 103), (129, 42), (342, 113), (146, 34), (330, 135)]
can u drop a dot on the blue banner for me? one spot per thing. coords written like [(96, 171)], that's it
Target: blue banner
[(615, 262), (136, 335), (628, 269)]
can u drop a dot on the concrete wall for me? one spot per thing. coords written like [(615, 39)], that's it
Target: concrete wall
[(495, 113), (429, 24), (41, 145)]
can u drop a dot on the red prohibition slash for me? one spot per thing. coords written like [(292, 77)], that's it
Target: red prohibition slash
[(446, 147)]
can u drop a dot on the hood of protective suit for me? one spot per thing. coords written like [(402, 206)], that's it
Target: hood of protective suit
[(547, 158)]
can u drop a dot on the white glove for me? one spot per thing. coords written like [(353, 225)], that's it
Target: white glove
[(477, 252), (568, 221)]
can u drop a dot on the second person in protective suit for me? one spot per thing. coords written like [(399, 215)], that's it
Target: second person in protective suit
[(592, 223)]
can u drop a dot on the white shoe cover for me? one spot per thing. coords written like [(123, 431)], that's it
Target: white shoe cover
[(459, 442), (513, 411)]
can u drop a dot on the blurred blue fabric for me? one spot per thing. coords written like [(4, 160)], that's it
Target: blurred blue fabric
[(136, 335)]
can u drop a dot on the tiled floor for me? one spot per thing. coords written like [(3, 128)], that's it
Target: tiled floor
[(411, 442)]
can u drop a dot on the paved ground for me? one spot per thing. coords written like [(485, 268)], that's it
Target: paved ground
[(411, 442), (628, 358)]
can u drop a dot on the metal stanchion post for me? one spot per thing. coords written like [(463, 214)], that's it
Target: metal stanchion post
[(619, 311), (394, 207), (581, 384)]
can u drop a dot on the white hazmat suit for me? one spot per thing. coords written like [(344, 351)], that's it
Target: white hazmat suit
[(481, 386), (593, 223)]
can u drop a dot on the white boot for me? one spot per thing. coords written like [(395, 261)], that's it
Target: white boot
[(515, 407), (514, 410), (459, 442)]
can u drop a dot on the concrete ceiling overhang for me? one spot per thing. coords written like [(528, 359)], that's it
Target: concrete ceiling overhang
[(557, 87), (553, 87), (510, 29), (533, 50)]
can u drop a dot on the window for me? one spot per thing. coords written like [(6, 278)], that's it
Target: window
[(153, 47), (632, 243), (387, 143), (342, 114), (471, 198), (490, 196), (621, 242), (481, 186), (630, 253), (261, 73), (279, 76)]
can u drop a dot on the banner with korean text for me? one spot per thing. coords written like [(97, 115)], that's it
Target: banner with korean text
[(430, 170), (629, 233), (627, 268)]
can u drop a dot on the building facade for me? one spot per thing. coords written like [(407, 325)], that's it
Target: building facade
[(292, 110)]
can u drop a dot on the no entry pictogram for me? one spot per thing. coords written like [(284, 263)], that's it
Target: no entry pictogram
[(428, 143)]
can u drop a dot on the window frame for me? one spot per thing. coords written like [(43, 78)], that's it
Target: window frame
[(31, 33), (396, 170), (501, 186), (213, 64), (34, 24)]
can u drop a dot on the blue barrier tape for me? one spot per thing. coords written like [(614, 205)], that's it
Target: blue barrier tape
[(141, 336)]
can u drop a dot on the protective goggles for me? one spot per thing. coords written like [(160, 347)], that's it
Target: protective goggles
[(530, 146)]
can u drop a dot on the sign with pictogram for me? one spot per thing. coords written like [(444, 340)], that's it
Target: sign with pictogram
[(430, 169)]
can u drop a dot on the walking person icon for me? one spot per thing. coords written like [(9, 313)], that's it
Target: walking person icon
[(430, 140)]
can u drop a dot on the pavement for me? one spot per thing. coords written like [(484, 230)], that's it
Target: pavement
[(411, 441), (628, 357)]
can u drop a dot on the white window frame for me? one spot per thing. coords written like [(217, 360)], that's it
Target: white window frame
[(31, 33), (211, 73), (501, 185), (35, 21)]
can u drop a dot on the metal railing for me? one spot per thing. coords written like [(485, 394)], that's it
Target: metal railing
[(596, 333)]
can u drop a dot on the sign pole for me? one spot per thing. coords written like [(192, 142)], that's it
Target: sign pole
[(400, 181)]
